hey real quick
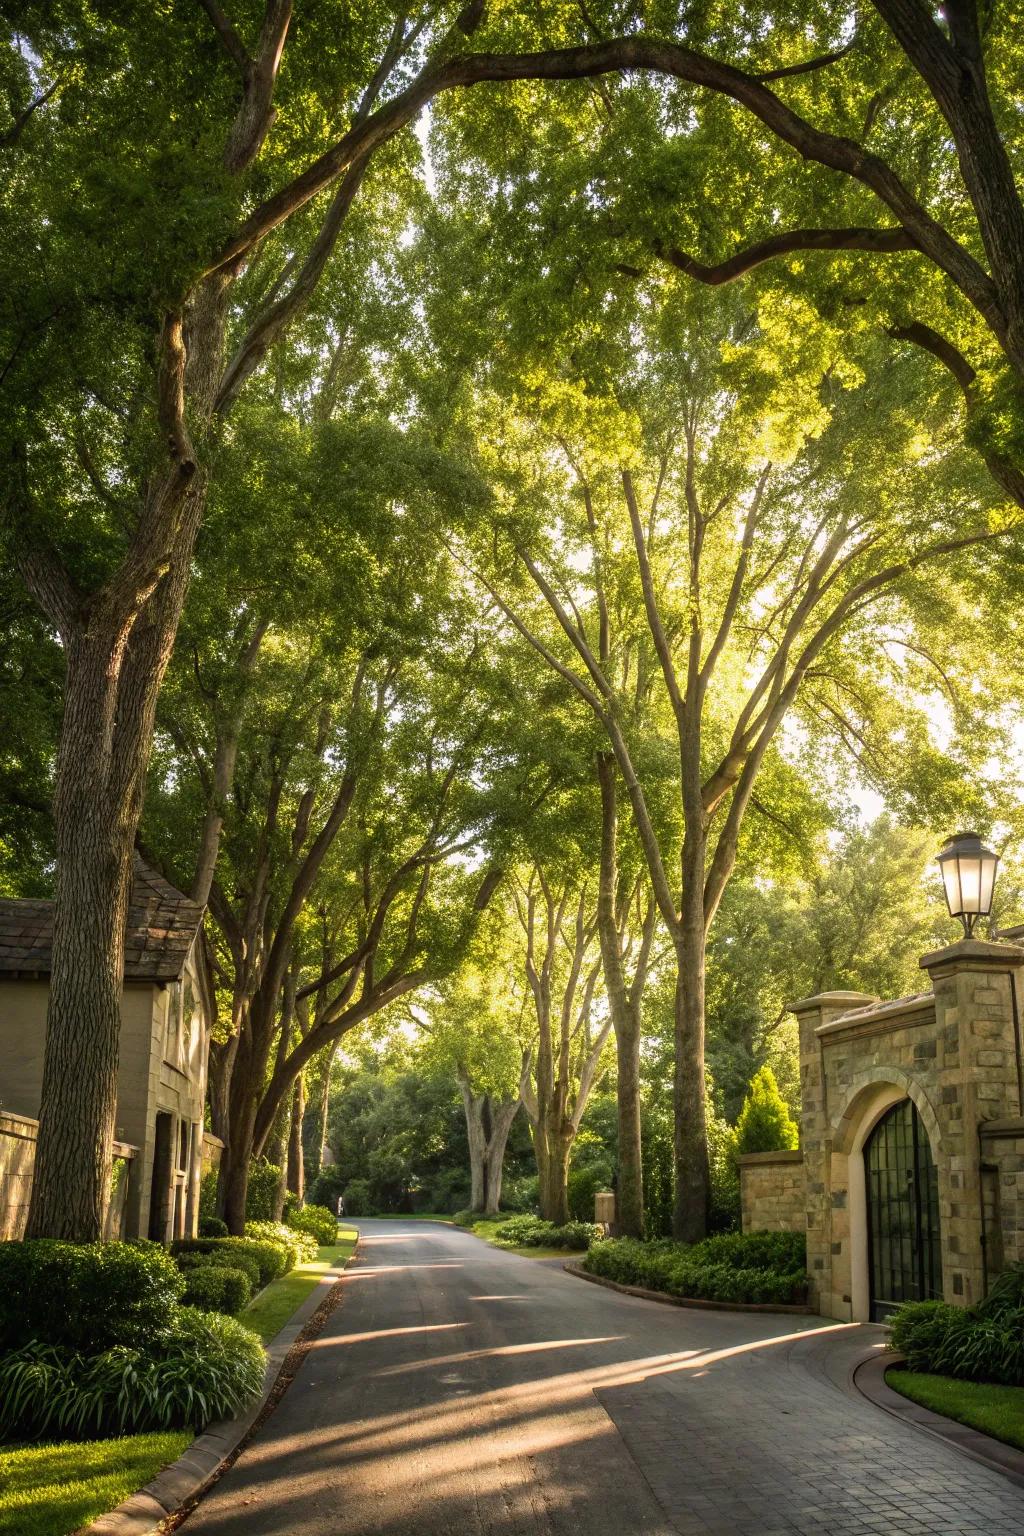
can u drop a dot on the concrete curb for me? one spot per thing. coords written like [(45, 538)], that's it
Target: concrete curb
[(572, 1268), (188, 1478), (869, 1379)]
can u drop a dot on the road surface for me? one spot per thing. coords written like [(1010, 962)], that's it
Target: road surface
[(461, 1391)]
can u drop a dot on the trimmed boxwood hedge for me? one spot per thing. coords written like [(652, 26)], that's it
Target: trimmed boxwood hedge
[(271, 1258), (216, 1288), (759, 1268), (85, 1295)]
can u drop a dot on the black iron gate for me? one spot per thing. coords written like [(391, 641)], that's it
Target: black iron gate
[(903, 1212)]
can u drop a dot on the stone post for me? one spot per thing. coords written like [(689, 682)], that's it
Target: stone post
[(977, 1017), (815, 1142)]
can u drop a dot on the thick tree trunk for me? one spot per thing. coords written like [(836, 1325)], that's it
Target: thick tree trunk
[(692, 1197), (502, 1118), (625, 1012), (473, 1105), (553, 1172)]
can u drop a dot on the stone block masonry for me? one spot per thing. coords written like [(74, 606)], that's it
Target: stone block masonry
[(773, 1191)]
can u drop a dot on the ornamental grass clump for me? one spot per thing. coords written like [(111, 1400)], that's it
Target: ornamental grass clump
[(757, 1268), (980, 1343)]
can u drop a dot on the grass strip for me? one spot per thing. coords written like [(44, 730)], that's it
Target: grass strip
[(50, 1490), (996, 1411), (268, 1312)]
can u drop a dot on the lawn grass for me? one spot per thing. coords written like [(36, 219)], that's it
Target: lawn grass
[(268, 1312), (487, 1229), (49, 1490), (997, 1411)]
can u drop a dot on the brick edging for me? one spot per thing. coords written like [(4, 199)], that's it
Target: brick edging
[(186, 1480), (869, 1379), (572, 1268)]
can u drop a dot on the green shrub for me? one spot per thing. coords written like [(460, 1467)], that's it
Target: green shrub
[(262, 1190), (212, 1226), (531, 1232), (203, 1367), (326, 1187), (583, 1185), (208, 1195), (982, 1343), (317, 1220), (216, 1288), (228, 1258), (765, 1124), (301, 1247), (357, 1198), (759, 1267), (271, 1258), (466, 1218), (1005, 1295), (85, 1295)]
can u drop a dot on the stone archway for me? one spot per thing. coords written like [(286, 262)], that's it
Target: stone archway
[(871, 1095)]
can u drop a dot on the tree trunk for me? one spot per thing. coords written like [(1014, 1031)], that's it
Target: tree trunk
[(692, 1198), (554, 1176), (625, 1012), (502, 1118), (473, 1105), (296, 1177)]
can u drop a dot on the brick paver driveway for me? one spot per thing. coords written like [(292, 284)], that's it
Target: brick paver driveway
[(461, 1390)]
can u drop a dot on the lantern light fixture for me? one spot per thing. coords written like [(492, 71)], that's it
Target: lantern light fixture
[(968, 875)]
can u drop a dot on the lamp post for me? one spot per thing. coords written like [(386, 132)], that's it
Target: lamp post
[(968, 875)]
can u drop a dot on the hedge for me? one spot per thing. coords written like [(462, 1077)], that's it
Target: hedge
[(216, 1288), (271, 1258), (301, 1247), (316, 1220), (532, 1232), (87, 1296), (759, 1268)]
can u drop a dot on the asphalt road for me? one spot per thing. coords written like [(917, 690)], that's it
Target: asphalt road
[(461, 1391)]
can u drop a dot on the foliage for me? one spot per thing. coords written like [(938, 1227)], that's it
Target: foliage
[(208, 1199), (327, 1186), (86, 1296), (201, 1367), (584, 1184), (299, 1246), (532, 1232), (262, 1190), (272, 1258), (765, 1124), (756, 1268), (234, 1257), (212, 1226), (357, 1198), (268, 1312), (53, 1490), (317, 1220), (216, 1288), (981, 1343)]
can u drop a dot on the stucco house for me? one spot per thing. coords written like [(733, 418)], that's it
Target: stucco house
[(909, 1180), (166, 1018)]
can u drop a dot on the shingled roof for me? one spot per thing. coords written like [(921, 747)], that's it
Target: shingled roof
[(162, 925)]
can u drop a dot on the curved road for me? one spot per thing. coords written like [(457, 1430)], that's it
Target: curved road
[(461, 1391)]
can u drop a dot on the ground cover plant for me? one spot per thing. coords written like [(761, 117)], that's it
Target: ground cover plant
[(983, 1343), (52, 1490), (763, 1268), (532, 1232), (994, 1410), (268, 1312)]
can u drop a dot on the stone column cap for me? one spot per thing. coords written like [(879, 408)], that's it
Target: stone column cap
[(973, 954), (842, 1000)]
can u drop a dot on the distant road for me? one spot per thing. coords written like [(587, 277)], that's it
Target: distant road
[(461, 1391)]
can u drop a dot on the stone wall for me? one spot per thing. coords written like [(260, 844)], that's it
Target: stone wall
[(18, 1135), (954, 1051), (773, 1191)]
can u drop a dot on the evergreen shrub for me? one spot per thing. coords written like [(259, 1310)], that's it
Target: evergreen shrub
[(532, 1232), (326, 1187), (765, 1123), (262, 1190), (273, 1259), (757, 1267), (223, 1258), (216, 1288), (212, 1226), (317, 1220), (583, 1185), (301, 1247), (357, 1198), (87, 1296)]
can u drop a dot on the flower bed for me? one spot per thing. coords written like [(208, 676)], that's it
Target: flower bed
[(757, 1268)]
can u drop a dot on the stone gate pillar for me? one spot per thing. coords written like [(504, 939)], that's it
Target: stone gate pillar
[(978, 1036), (815, 1143)]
